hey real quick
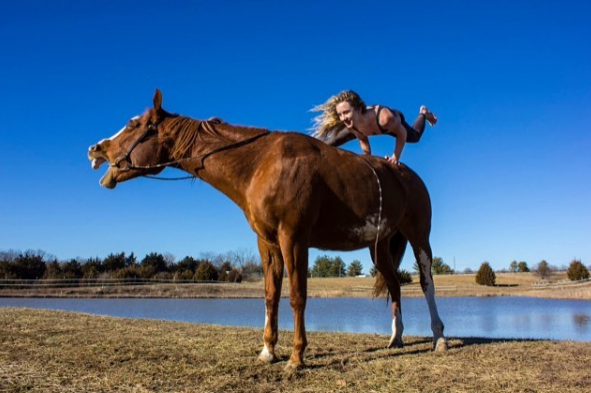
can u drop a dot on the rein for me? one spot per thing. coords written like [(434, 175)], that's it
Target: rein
[(154, 127)]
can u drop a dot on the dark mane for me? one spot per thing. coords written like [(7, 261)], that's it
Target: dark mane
[(188, 131)]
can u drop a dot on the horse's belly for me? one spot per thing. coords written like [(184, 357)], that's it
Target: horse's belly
[(350, 236)]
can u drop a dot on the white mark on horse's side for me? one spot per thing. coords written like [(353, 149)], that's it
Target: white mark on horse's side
[(369, 231)]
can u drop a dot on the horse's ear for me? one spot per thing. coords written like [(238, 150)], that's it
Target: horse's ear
[(158, 100)]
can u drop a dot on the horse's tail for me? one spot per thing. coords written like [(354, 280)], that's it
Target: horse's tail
[(379, 287), (397, 249)]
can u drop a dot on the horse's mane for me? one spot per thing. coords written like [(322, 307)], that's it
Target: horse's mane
[(187, 131)]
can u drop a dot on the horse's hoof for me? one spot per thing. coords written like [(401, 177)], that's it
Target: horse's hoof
[(395, 344), (267, 357), (291, 367), (441, 345)]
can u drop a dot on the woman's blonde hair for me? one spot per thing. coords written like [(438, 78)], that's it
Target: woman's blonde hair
[(327, 122)]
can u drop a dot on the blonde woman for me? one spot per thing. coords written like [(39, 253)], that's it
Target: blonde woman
[(345, 117)]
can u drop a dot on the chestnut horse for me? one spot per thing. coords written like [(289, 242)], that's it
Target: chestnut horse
[(296, 193)]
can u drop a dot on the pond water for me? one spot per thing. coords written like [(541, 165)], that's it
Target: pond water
[(491, 317)]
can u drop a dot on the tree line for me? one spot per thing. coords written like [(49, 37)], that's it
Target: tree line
[(33, 265), (233, 266)]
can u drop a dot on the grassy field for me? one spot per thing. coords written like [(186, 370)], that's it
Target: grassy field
[(52, 351), (508, 284)]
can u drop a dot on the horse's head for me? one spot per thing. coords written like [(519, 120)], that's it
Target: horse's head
[(136, 150)]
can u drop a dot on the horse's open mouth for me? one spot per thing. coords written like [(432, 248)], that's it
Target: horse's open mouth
[(97, 162), (108, 180)]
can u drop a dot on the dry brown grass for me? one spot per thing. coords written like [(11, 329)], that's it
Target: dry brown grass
[(51, 351), (508, 284)]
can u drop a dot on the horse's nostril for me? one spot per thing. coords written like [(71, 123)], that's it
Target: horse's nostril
[(94, 148)]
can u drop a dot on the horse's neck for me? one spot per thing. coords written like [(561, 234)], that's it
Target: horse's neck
[(229, 161)]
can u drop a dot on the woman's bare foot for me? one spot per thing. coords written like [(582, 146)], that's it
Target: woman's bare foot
[(429, 116)]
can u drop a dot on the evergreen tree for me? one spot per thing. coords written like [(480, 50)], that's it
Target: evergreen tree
[(114, 262), (577, 271), (522, 267), (153, 264), (92, 268), (485, 275), (206, 272), (404, 277), (53, 270), (355, 269), (29, 266), (322, 266), (337, 268), (71, 269), (543, 269), (439, 267)]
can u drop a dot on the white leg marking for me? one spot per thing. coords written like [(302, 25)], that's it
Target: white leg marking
[(436, 323), (266, 355), (397, 328)]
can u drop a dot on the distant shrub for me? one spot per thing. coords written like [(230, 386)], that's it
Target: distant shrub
[(543, 269), (185, 275), (127, 273), (206, 272), (485, 275), (404, 277), (577, 271), (234, 276)]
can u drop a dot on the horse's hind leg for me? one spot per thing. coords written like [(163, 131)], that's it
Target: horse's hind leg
[(424, 258), (273, 270), (397, 248), (386, 257)]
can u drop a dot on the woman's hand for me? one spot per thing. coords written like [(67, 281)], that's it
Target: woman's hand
[(393, 160)]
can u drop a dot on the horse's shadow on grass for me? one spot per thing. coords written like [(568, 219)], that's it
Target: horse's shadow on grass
[(415, 346)]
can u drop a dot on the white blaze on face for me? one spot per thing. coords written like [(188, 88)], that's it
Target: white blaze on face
[(120, 131), (369, 231)]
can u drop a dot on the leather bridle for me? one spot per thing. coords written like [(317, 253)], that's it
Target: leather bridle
[(154, 127)]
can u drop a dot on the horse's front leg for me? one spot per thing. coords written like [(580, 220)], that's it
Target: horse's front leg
[(273, 271), (295, 255)]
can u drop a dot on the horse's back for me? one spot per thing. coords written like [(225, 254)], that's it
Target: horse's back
[(340, 196)]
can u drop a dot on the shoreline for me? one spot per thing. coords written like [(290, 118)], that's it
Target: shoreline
[(508, 284)]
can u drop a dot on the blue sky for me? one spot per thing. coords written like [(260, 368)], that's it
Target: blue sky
[(507, 166)]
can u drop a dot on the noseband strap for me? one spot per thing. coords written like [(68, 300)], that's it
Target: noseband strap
[(125, 158)]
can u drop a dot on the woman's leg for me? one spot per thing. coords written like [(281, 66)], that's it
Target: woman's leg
[(415, 132)]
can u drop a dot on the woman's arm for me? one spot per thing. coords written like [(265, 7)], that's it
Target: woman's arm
[(364, 142), (390, 122)]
